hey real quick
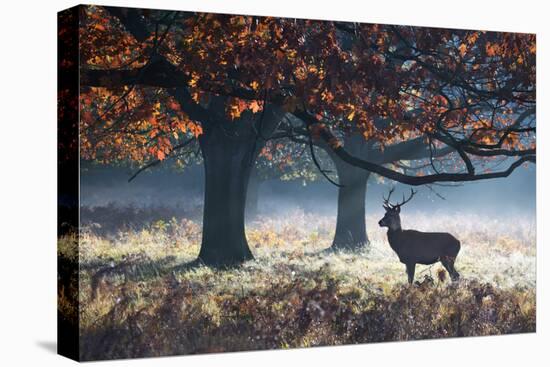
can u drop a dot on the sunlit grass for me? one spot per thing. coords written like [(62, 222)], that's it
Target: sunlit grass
[(137, 299)]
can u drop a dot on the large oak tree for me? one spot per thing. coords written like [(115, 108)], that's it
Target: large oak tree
[(152, 81)]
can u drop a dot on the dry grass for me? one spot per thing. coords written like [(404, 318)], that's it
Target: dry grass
[(137, 300)]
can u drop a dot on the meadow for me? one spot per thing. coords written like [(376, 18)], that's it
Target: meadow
[(141, 295)]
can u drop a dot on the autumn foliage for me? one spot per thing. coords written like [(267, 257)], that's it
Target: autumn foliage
[(389, 83)]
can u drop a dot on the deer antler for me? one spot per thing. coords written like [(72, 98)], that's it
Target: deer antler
[(387, 204), (406, 201)]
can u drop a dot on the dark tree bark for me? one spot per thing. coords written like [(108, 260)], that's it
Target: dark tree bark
[(229, 150), (227, 164), (351, 231)]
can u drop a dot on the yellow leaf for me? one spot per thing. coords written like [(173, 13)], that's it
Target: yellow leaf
[(351, 115), (194, 79)]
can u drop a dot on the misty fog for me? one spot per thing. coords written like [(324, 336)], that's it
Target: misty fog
[(496, 198)]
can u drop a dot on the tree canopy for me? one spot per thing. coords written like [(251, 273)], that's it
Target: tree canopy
[(416, 105), (473, 91)]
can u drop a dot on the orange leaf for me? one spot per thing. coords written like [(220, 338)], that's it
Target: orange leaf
[(462, 49), (254, 106), (173, 105)]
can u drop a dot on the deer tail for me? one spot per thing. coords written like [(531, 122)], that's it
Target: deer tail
[(457, 246)]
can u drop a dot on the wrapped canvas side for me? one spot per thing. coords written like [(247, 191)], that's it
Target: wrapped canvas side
[(68, 184)]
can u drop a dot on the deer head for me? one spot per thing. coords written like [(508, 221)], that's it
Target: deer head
[(391, 219)]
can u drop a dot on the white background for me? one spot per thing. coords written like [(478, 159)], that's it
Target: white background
[(28, 181)]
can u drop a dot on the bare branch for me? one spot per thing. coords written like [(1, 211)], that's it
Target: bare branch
[(316, 162), (158, 161)]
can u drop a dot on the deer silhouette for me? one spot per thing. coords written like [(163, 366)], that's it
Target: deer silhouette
[(415, 247)]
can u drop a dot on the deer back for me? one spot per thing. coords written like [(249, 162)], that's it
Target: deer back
[(422, 247)]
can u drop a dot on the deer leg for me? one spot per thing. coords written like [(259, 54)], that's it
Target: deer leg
[(449, 264), (410, 272), (455, 275)]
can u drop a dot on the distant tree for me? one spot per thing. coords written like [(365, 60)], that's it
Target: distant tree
[(351, 231), (352, 181), (152, 81)]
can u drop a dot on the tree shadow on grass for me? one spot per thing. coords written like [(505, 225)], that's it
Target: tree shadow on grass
[(135, 268), (180, 268), (141, 268), (364, 250), (197, 263)]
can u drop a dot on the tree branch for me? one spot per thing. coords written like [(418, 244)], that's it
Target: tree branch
[(327, 136), (158, 161), (136, 25), (316, 162), (410, 150)]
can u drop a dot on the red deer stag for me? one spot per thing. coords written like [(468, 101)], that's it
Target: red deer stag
[(414, 247)]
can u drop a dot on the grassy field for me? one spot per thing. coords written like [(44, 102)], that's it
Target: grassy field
[(138, 298)]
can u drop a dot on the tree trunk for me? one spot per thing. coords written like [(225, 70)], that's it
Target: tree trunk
[(227, 162), (351, 231)]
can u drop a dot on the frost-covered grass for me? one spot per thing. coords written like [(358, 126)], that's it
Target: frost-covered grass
[(139, 299)]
